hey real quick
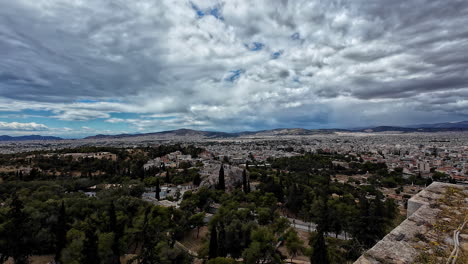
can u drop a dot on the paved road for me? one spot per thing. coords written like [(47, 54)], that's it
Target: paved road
[(306, 226), (297, 224)]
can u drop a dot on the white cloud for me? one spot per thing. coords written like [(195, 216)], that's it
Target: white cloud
[(72, 114), (15, 126), (115, 120), (160, 59)]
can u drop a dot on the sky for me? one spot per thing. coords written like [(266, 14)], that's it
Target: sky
[(74, 68)]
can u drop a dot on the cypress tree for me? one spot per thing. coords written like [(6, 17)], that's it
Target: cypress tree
[(196, 179), (245, 183), (117, 235), (319, 253), (158, 190), (213, 249), (89, 253), (221, 184), (222, 252), (60, 233), (168, 177)]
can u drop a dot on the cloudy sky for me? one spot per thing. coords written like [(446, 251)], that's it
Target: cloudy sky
[(81, 67)]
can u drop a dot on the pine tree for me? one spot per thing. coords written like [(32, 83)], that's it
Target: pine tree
[(158, 190), (213, 249), (60, 233), (323, 218), (363, 227), (293, 243), (16, 237), (149, 254), (221, 184)]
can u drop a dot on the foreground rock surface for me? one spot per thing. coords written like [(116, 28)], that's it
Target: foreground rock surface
[(433, 215)]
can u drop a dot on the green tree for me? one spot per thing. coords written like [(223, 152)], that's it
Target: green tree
[(158, 190), (60, 233), (221, 183), (168, 176), (319, 249), (149, 253), (368, 227), (222, 251), (117, 234), (196, 179), (262, 248), (89, 252), (197, 220), (293, 243), (377, 219), (245, 183), (213, 248), (18, 245)]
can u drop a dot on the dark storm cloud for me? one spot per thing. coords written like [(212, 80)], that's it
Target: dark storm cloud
[(168, 58), (50, 61), (407, 88)]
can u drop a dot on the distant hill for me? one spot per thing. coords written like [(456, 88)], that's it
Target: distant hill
[(430, 128), (290, 132), (387, 129), (197, 134), (31, 137), (461, 124), (172, 133), (214, 134), (281, 132)]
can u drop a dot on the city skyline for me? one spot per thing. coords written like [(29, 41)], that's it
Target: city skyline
[(79, 68)]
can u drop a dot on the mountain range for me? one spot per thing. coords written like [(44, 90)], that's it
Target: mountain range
[(438, 127), (462, 124), (30, 137)]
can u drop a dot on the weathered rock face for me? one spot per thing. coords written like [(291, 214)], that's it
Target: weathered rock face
[(232, 175), (432, 193), (439, 205)]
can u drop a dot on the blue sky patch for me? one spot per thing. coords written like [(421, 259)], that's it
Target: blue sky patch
[(87, 101), (296, 36), (212, 11), (199, 12), (235, 75), (92, 101), (216, 12), (276, 54), (255, 46)]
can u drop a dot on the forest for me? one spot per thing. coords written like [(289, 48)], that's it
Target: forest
[(40, 215)]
